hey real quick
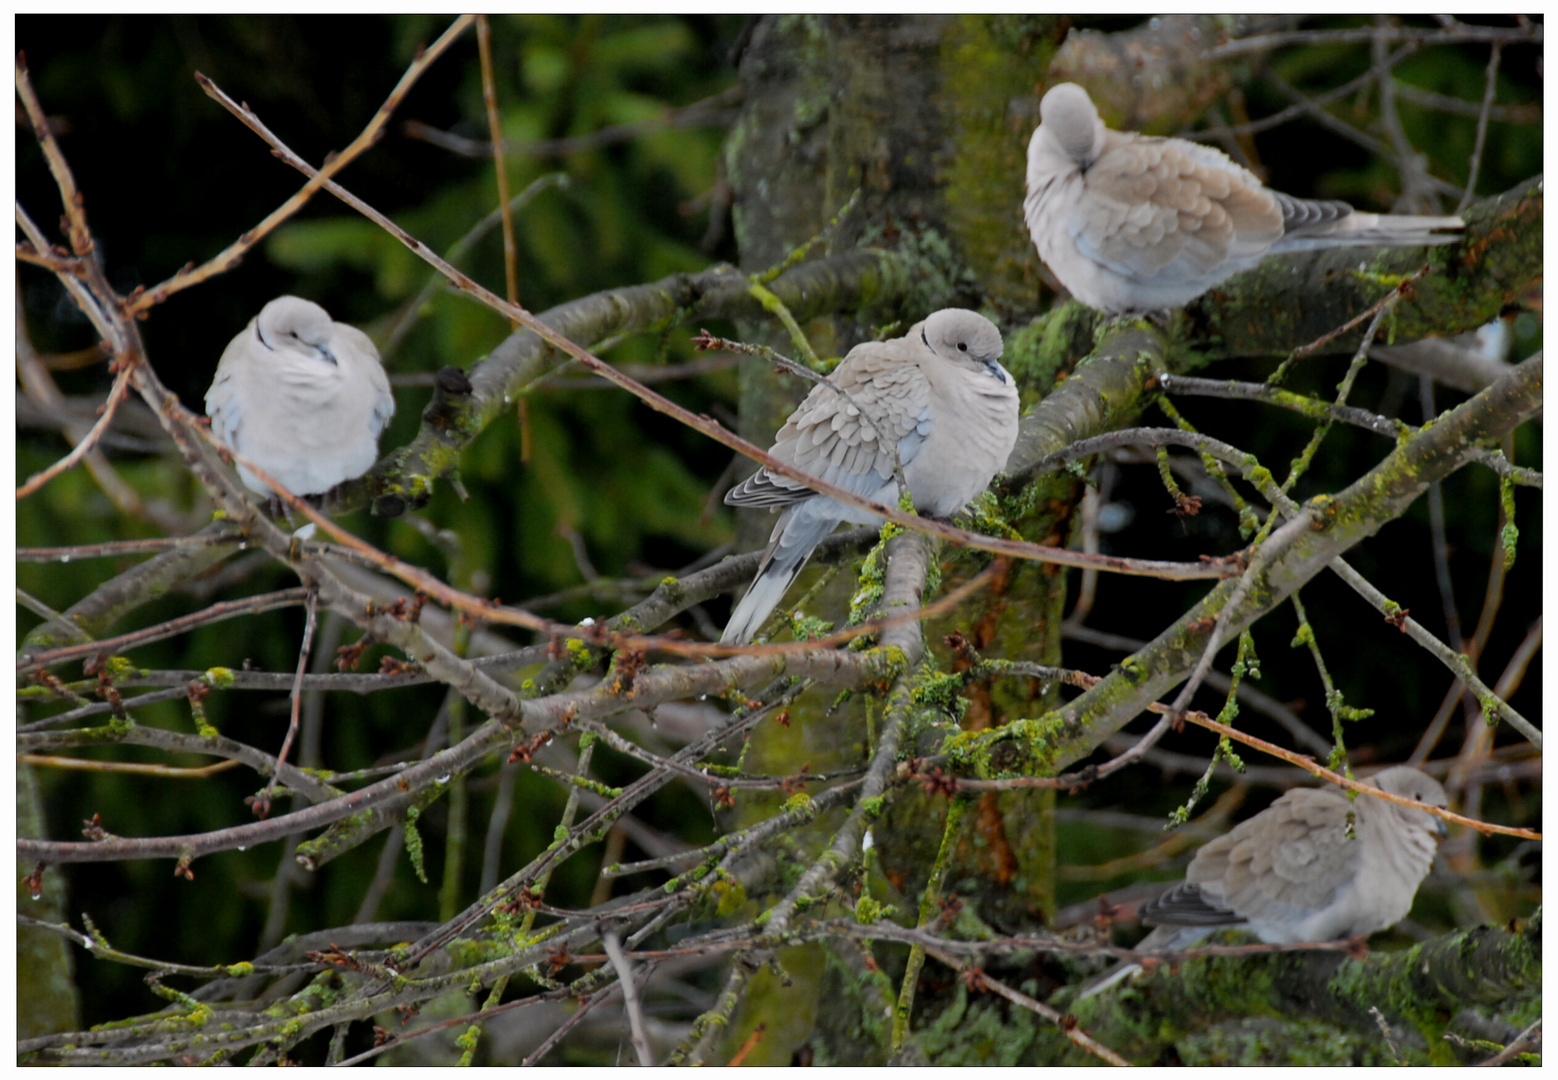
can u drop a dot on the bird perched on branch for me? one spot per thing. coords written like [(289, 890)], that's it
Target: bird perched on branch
[(1291, 873), (1132, 223), (302, 397), (937, 399)]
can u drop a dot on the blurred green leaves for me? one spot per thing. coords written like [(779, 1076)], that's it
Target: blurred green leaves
[(619, 222)]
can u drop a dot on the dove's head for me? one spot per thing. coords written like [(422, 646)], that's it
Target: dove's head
[(296, 325), (1408, 782), (1069, 119), (964, 337)]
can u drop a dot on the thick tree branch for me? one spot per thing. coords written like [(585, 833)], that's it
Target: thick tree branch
[(1291, 300), (1483, 966), (1331, 525)]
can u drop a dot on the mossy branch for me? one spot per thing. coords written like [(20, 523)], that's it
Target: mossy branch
[(1423, 986), (1331, 525), (844, 282), (1289, 301)]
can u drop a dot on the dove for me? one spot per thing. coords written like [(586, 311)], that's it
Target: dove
[(938, 395), (1290, 874), (302, 397), (1133, 224)]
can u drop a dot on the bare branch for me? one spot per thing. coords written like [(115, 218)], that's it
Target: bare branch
[(1482, 127), (1462, 32), (629, 997), (226, 260)]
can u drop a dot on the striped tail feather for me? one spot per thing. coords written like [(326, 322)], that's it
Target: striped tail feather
[(1372, 230)]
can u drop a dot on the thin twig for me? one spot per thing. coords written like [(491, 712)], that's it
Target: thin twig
[(1415, 189), (715, 111), (227, 609), (1282, 116), (1438, 545), (411, 311), (489, 93), (1509, 681), (1499, 114), (1482, 128), (177, 742), (114, 548), (70, 197), (89, 305), (1463, 32), (1457, 662), (630, 1004), (1016, 997), (1345, 414), (35, 376), (1308, 764), (1528, 1038), (1038, 552), (45, 612), (138, 768), (142, 299), (1371, 312), (310, 607), (1347, 131), (115, 396)]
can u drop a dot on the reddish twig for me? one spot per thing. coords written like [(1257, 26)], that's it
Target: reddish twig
[(1353, 323), (187, 276), (961, 537), (228, 609), (116, 395), (1067, 1024), (70, 196), (1308, 764), (262, 804), (499, 614)]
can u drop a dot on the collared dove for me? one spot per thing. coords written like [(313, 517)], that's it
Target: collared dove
[(938, 393), (1290, 874), (1132, 223), (302, 397)]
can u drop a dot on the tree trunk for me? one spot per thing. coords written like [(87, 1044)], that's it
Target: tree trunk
[(928, 119)]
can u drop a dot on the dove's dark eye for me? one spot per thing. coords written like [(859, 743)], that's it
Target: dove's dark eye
[(962, 347)]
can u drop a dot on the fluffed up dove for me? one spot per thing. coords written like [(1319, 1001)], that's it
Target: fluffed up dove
[(939, 394), (1290, 874), (302, 397), (1133, 223)]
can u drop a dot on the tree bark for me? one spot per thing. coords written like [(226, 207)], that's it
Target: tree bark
[(1420, 988)]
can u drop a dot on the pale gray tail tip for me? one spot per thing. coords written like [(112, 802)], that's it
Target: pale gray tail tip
[(1419, 228), (747, 619), (767, 590), (1105, 981)]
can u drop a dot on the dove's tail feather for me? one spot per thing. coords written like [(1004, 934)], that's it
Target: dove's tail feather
[(1162, 939), (1374, 230), (1106, 980), (793, 544)]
